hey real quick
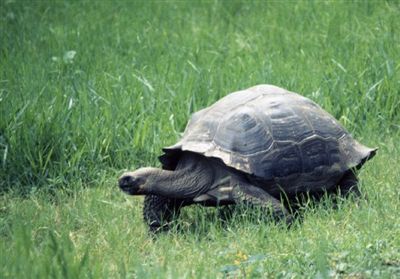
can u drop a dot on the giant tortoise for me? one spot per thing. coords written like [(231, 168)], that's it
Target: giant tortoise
[(262, 146)]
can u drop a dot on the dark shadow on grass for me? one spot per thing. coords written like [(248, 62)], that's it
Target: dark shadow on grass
[(200, 221)]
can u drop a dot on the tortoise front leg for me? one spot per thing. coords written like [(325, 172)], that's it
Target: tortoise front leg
[(158, 212), (244, 192)]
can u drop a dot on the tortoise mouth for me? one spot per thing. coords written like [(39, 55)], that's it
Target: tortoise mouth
[(130, 190), (129, 184), (125, 189)]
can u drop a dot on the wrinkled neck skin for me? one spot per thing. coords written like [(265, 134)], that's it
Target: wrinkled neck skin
[(193, 176)]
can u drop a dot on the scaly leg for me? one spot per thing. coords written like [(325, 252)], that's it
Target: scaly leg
[(158, 212), (244, 192), (349, 185)]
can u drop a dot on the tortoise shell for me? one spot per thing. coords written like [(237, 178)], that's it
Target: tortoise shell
[(273, 134)]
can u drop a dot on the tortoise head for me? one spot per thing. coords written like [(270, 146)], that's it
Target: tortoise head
[(138, 182)]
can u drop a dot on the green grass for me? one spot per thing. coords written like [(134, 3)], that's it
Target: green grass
[(88, 89)]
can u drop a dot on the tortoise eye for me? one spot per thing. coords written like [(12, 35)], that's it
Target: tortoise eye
[(140, 180)]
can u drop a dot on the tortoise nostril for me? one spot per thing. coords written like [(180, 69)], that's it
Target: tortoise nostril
[(126, 181)]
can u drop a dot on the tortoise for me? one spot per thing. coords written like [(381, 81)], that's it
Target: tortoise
[(262, 146)]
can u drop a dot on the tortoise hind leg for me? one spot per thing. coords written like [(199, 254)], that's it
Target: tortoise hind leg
[(348, 185), (245, 192), (158, 212)]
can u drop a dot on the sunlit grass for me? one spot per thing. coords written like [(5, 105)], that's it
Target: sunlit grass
[(88, 89), (99, 232)]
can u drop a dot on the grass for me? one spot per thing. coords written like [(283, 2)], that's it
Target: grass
[(88, 89)]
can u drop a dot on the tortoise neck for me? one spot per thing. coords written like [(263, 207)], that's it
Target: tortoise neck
[(193, 176)]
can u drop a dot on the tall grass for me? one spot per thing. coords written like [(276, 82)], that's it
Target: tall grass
[(88, 88)]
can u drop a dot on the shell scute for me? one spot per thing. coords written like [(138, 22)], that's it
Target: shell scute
[(241, 132), (314, 154), (287, 161)]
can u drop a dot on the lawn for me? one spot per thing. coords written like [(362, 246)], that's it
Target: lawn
[(89, 89)]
